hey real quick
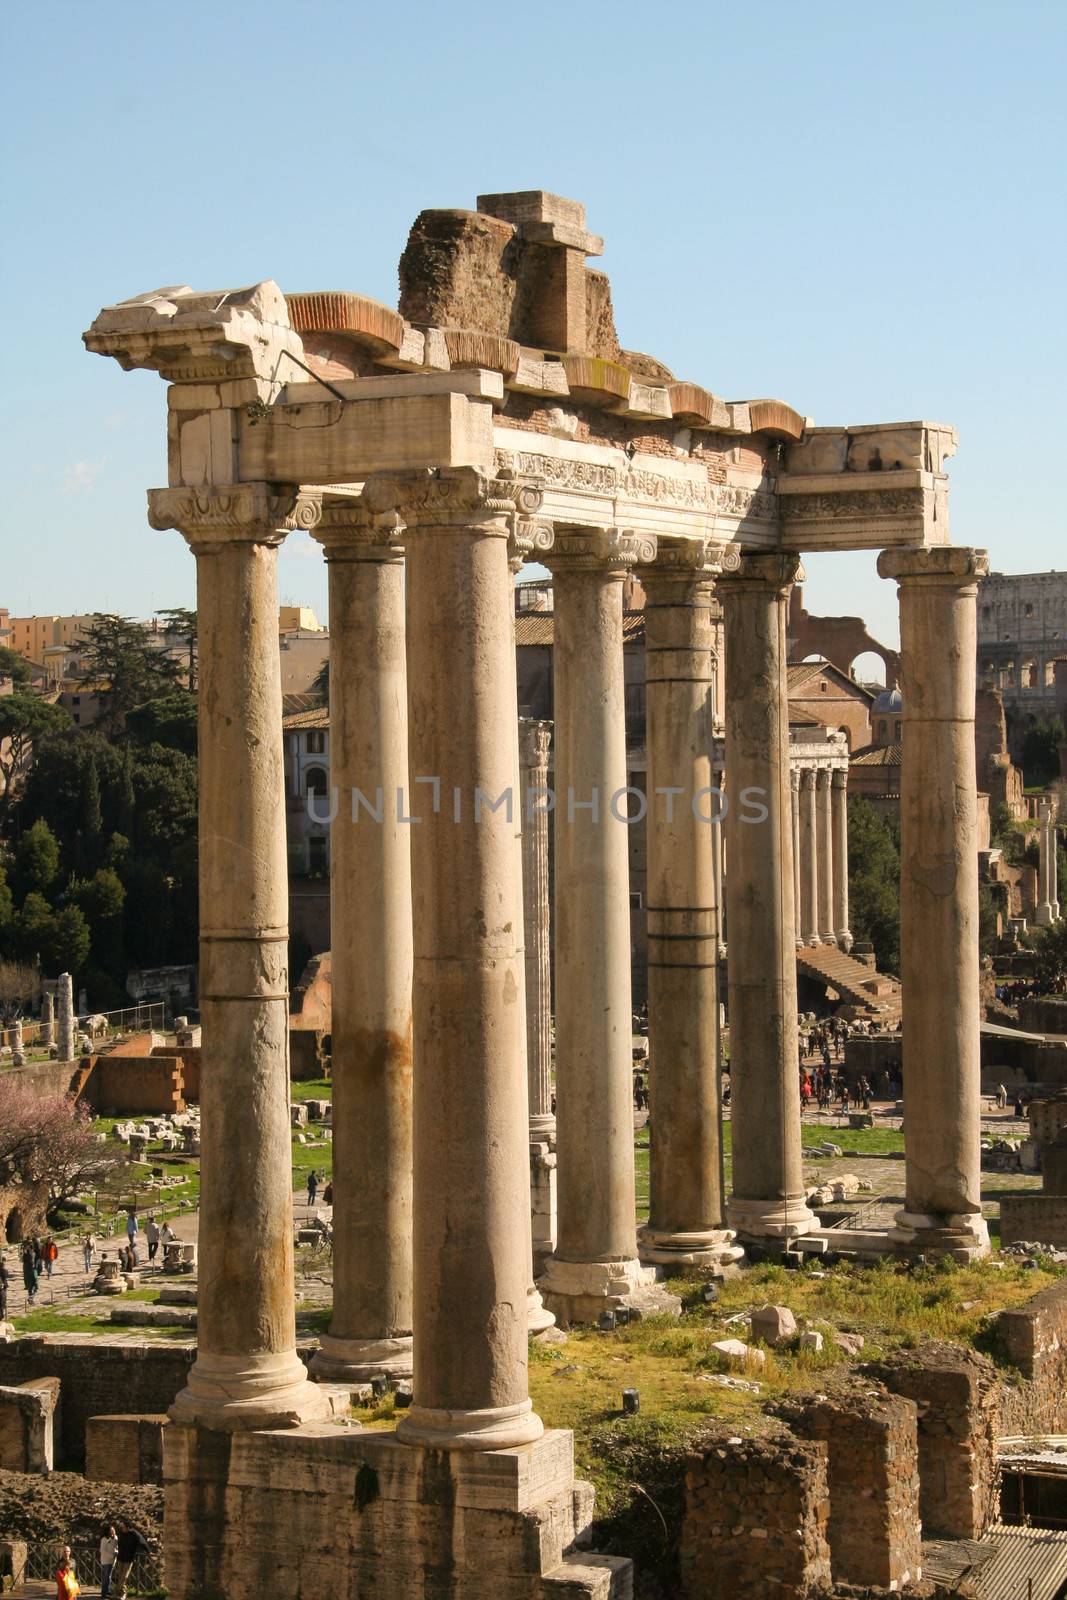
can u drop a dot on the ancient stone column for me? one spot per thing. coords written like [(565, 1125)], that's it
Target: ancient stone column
[(48, 1020), (534, 742), (1047, 910), (595, 1266), (840, 845), (718, 877), (371, 945), (685, 1224), (1053, 863), (65, 1024), (809, 858), (825, 829), (768, 1178), (247, 1373), (939, 902), (798, 888), (472, 1189)]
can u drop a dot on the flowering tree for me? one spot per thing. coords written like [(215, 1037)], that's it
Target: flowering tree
[(45, 1139)]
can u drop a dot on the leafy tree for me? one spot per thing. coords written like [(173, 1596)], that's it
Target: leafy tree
[(1050, 951), (37, 857), (49, 1140), (25, 719), (14, 666), (69, 949), (1041, 751), (182, 622), (170, 720), (874, 882), (102, 896), (321, 684), (125, 666), (33, 929)]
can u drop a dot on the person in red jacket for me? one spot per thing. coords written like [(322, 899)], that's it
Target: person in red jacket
[(67, 1585)]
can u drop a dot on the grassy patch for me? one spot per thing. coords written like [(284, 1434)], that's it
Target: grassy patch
[(313, 1089)]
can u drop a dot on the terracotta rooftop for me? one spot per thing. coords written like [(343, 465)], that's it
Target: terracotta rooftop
[(536, 628), (317, 717), (877, 755)]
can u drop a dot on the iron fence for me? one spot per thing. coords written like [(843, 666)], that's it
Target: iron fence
[(43, 1559)]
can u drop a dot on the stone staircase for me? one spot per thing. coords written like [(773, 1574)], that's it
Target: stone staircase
[(857, 984)]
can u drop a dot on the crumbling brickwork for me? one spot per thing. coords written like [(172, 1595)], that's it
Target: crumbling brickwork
[(873, 1475), (756, 1516), (125, 1449)]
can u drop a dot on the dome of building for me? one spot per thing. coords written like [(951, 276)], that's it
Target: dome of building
[(888, 702)]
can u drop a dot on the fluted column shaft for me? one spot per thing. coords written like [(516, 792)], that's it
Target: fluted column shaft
[(939, 901), (768, 1178), (472, 1193), (247, 1373), (809, 858), (595, 1260), (371, 945), (839, 786), (825, 827), (685, 1219), (534, 743)]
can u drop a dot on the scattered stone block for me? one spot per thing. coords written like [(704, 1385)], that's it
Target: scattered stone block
[(851, 1343), (739, 1354), (29, 1425), (298, 1115), (811, 1339), (774, 1325)]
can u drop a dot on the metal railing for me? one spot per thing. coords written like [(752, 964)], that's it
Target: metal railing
[(43, 1559), (150, 1015)]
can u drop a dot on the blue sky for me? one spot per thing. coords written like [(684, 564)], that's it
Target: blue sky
[(859, 210)]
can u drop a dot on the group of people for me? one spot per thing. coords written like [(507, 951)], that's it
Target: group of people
[(38, 1257), (119, 1548), (823, 1086)]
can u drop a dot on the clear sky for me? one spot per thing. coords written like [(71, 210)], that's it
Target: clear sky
[(857, 209)]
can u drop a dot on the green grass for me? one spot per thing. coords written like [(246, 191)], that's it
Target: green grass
[(313, 1089)]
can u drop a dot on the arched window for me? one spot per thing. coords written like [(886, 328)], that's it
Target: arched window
[(316, 782), (316, 741)]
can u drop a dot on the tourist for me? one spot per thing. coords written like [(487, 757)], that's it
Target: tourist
[(38, 1256), (151, 1233), (313, 1187), (131, 1223), (31, 1273), (1002, 1097), (327, 1195), (88, 1251), (50, 1254), (5, 1279), (67, 1585), (109, 1550), (130, 1544)]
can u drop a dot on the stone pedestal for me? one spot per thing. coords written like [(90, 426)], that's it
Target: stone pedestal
[(472, 1195), (247, 1372), (595, 1266), (685, 1225), (371, 944), (842, 932), (939, 902), (768, 1179)]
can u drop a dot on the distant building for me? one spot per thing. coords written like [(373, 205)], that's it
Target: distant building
[(1022, 632), (298, 619), (32, 636)]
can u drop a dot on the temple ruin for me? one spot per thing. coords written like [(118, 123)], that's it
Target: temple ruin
[(493, 420)]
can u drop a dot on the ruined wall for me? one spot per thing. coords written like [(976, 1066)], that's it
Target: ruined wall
[(1046, 1013), (873, 1476), (125, 1449), (1035, 1219), (136, 1084), (756, 1519), (1033, 1338), (837, 639), (97, 1378)]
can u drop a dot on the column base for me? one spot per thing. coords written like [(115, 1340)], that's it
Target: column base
[(714, 1248), (581, 1291), (813, 939), (495, 1428), (770, 1219), (543, 1128), (844, 940), (921, 1236), (538, 1316), (359, 1360), (1043, 914), (232, 1393)]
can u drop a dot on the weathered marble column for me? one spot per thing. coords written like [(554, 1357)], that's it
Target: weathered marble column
[(1053, 863), (65, 1023), (939, 902), (768, 1178), (472, 1187), (825, 827), (595, 1265), (798, 889), (718, 876), (48, 1020), (371, 945), (247, 1373), (685, 1223), (532, 800), (1047, 910), (809, 858), (839, 785)]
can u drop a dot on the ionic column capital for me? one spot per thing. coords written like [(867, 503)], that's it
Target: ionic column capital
[(242, 513), (505, 504), (763, 569), (351, 530), (687, 561), (794, 778), (839, 777), (611, 551), (822, 777), (807, 778), (951, 566)]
